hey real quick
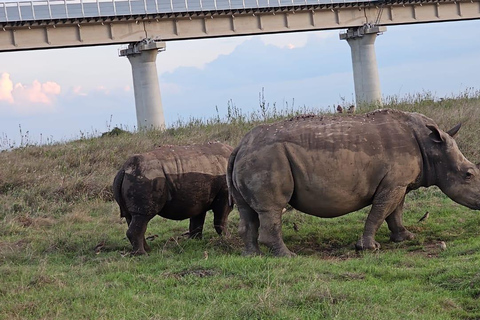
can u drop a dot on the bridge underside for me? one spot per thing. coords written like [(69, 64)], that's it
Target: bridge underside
[(193, 25)]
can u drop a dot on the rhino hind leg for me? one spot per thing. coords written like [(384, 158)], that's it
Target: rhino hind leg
[(136, 234), (195, 229), (402, 236), (395, 223), (248, 230), (221, 210), (262, 225), (271, 232), (248, 225), (387, 201)]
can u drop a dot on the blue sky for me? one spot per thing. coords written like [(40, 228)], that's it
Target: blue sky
[(61, 94)]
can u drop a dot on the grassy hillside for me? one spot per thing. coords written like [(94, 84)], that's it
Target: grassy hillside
[(63, 246)]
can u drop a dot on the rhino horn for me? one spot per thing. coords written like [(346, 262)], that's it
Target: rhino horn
[(452, 132)]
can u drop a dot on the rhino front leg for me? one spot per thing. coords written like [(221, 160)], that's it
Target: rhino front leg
[(196, 226), (136, 234), (395, 224), (384, 203)]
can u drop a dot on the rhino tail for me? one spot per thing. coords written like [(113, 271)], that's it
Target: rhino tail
[(231, 160), (117, 193)]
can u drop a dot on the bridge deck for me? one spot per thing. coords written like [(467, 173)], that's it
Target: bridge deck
[(28, 25), (68, 9)]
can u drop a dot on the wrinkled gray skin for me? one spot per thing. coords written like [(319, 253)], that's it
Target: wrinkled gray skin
[(330, 166), (175, 182)]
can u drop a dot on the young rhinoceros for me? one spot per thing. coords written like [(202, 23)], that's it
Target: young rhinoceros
[(175, 182), (330, 166)]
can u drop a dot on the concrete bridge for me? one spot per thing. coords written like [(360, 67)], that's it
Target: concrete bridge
[(145, 25)]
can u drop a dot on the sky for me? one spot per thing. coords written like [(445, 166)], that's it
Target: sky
[(63, 94)]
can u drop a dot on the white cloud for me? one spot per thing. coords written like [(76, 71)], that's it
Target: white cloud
[(295, 40), (328, 34), (38, 93), (285, 40), (50, 87), (195, 53), (78, 91), (6, 88), (27, 99)]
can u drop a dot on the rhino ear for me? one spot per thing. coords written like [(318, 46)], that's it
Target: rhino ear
[(453, 132), (436, 135)]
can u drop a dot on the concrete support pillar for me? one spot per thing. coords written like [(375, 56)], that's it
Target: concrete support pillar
[(148, 102), (364, 61)]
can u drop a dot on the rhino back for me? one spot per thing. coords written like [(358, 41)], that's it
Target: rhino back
[(366, 133), (207, 159)]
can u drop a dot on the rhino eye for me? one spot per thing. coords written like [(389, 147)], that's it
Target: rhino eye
[(468, 175)]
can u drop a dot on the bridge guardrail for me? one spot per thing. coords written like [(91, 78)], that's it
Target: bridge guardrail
[(33, 10)]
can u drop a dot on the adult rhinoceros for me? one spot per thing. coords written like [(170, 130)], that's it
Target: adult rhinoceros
[(330, 166), (175, 182)]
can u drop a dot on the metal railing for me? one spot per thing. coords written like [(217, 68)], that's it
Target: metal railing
[(71, 9)]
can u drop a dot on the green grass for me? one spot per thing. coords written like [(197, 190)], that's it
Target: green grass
[(63, 246), (53, 271)]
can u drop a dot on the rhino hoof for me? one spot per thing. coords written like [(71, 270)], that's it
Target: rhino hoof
[(287, 254), (402, 236), (363, 245)]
